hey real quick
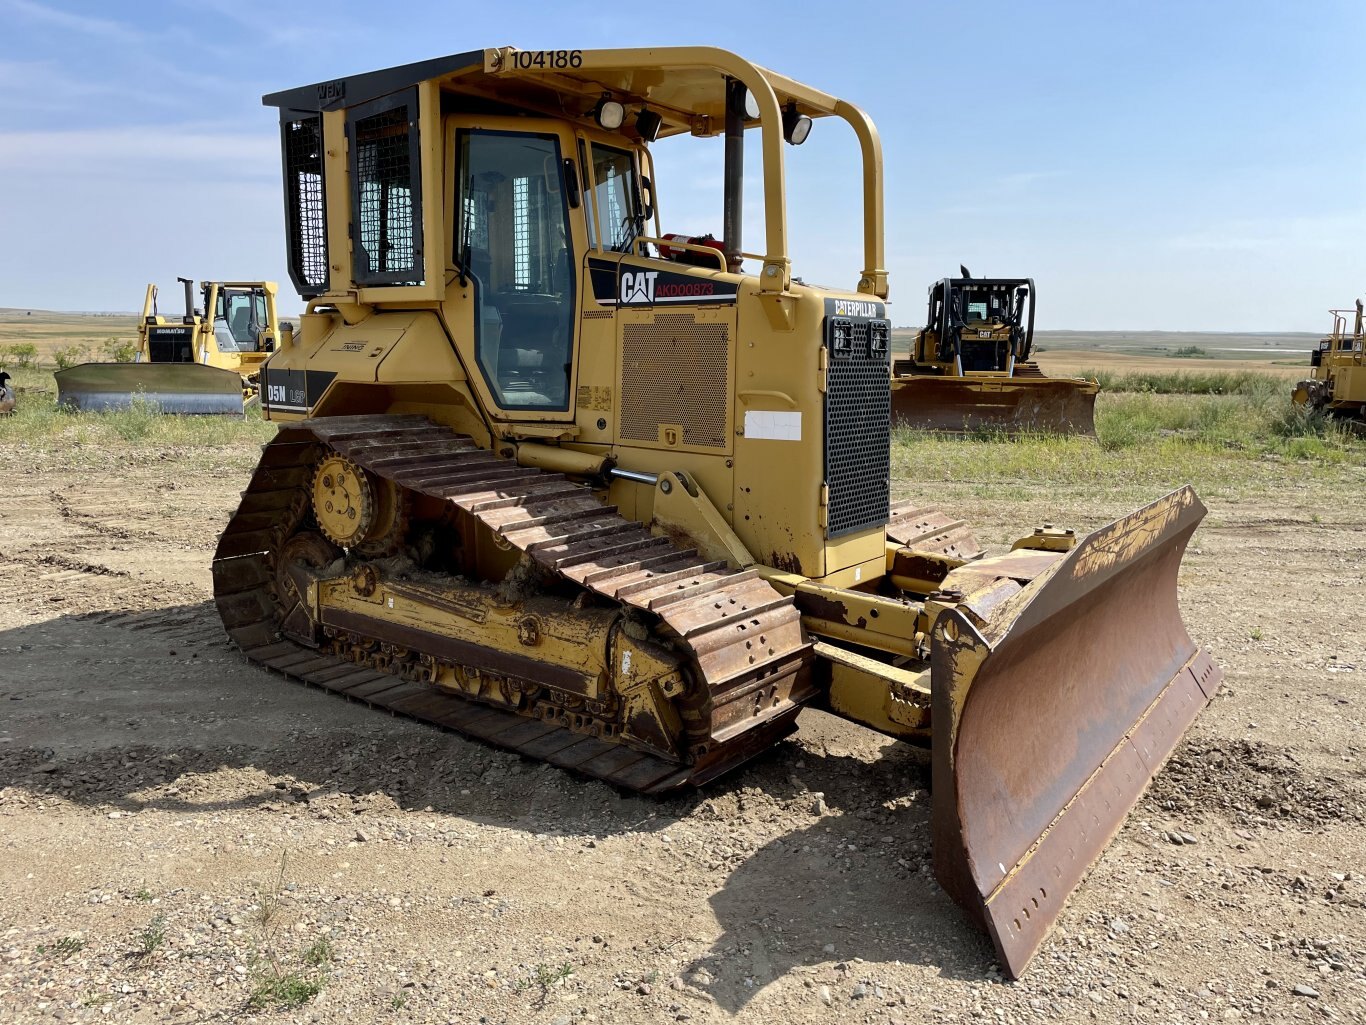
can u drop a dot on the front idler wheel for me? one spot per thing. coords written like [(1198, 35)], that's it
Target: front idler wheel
[(298, 564)]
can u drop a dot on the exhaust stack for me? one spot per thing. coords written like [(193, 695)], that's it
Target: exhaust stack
[(733, 184), (189, 299)]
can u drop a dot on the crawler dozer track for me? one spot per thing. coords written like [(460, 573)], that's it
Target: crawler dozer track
[(745, 661)]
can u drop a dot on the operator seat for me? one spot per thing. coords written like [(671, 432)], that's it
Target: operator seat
[(241, 329)]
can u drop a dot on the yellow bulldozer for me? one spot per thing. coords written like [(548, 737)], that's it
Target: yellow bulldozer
[(1337, 384), (969, 368), (623, 502), (206, 361)]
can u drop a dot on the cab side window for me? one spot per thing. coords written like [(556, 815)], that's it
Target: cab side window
[(616, 197)]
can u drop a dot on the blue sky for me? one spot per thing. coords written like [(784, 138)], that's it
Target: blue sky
[(1158, 165)]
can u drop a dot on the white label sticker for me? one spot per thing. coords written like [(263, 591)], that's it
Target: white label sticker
[(773, 425), (626, 663)]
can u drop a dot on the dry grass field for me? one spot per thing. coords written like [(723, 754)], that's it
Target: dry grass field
[(187, 838), (1076, 353), (50, 332), (1082, 363)]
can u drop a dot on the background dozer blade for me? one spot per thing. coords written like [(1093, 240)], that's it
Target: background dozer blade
[(1010, 404), (1054, 704), (175, 387)]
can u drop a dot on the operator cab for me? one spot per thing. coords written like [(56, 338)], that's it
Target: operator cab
[(511, 190), (984, 323), (239, 318)]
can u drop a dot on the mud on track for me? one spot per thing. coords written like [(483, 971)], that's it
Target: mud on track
[(149, 775)]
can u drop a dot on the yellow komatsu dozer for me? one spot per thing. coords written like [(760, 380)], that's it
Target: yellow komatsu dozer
[(969, 367), (1337, 384), (207, 361), (622, 502)]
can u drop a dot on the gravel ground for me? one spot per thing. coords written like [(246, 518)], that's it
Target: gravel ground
[(184, 837)]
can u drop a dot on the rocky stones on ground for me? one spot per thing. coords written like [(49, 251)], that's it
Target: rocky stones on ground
[(158, 821)]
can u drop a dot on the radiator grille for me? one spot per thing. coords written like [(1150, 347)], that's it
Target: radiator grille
[(857, 424), (170, 345), (306, 223), (386, 196), (675, 371)]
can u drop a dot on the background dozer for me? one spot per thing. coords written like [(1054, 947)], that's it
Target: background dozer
[(631, 514), (1337, 384), (207, 360), (969, 366)]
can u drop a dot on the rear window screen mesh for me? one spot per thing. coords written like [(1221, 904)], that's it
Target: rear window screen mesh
[(389, 247), (306, 224)]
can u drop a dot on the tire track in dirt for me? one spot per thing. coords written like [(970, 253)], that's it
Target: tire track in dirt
[(145, 758)]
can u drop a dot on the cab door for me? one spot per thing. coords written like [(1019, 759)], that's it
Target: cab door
[(518, 224)]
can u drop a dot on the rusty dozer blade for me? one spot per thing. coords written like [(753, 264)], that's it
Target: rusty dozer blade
[(181, 388), (1013, 405), (1054, 703)]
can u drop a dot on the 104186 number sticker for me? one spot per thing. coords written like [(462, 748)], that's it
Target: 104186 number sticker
[(524, 60)]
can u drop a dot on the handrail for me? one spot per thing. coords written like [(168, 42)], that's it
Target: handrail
[(763, 86), (674, 244), (1339, 340)]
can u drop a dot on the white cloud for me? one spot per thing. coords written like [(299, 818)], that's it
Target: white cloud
[(98, 151), (129, 230), (263, 23), (70, 22), (42, 85), (146, 50)]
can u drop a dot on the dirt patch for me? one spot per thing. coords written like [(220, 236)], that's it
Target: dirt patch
[(1254, 784), (187, 838)]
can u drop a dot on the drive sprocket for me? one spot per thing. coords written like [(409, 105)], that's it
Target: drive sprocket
[(350, 506)]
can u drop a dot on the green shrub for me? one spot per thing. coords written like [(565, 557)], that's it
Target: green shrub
[(153, 938), (70, 355), (1189, 352), (285, 990), (119, 350), (21, 355), (1289, 420), (138, 421), (67, 946)]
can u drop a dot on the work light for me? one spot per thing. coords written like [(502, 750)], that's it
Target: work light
[(609, 114), (796, 127), (647, 125)]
